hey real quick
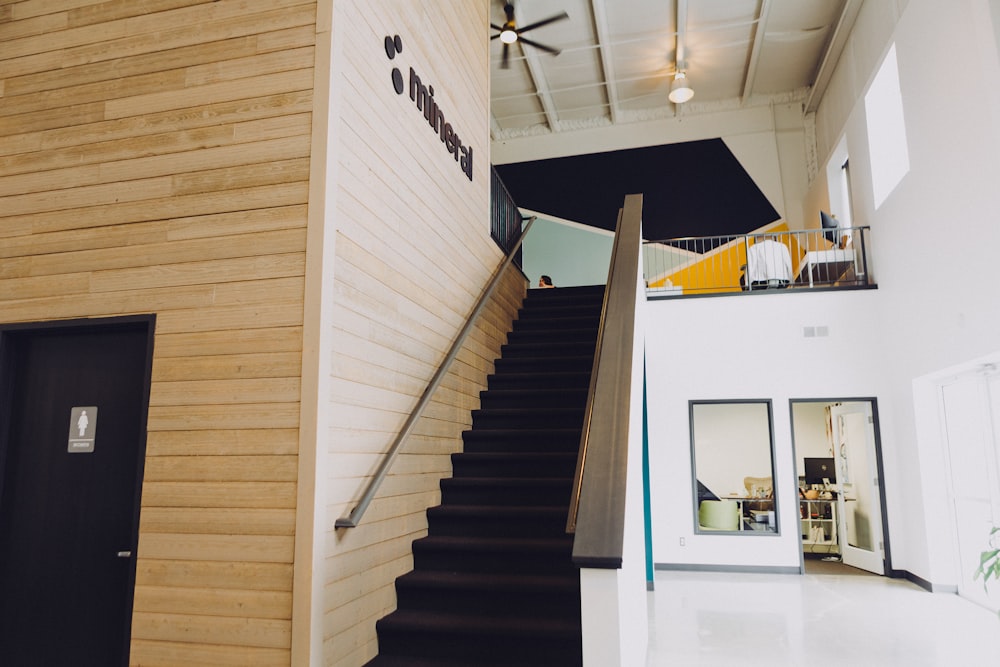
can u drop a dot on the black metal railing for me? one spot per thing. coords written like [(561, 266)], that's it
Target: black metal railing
[(505, 217), (772, 259)]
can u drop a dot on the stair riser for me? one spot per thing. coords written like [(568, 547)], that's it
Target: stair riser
[(527, 419), (581, 364), (555, 398), (553, 496), (493, 527), (537, 380), (558, 310), (496, 563), (588, 335), (473, 601), (548, 350), (464, 465), (536, 323), (484, 649), (530, 441)]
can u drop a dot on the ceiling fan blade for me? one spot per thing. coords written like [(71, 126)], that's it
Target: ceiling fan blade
[(494, 37), (505, 57), (496, 27), (539, 24), (547, 49)]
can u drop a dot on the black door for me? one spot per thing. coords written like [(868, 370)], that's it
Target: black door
[(69, 519)]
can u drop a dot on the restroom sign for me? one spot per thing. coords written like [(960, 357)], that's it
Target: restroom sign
[(82, 429)]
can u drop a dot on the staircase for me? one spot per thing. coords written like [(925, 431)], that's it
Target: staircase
[(493, 583)]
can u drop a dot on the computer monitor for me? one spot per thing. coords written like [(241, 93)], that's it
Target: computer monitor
[(828, 222), (818, 469)]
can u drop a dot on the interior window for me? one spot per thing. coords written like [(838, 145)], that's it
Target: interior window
[(890, 159), (732, 456)]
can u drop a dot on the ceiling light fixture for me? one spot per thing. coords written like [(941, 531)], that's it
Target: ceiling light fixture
[(507, 35), (680, 89)]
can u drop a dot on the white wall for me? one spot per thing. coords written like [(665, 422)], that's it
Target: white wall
[(934, 243), (935, 237), (406, 252), (749, 346)]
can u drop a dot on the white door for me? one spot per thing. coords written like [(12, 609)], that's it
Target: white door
[(860, 501), (970, 410)]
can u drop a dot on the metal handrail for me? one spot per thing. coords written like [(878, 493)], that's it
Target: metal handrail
[(597, 504), (352, 520)]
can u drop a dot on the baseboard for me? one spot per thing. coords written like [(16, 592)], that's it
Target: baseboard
[(923, 583), (741, 569)]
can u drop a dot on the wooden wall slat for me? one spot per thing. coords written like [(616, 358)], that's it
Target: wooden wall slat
[(214, 602), (149, 210), (227, 366), (171, 654), (264, 633), (219, 494), (210, 417), (193, 468), (236, 574), (223, 548), (217, 442), (218, 521), (267, 342), (225, 392)]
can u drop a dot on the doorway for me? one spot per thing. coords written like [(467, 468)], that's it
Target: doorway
[(73, 404), (839, 463), (970, 411)]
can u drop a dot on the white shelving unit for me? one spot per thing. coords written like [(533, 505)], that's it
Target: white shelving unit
[(819, 515)]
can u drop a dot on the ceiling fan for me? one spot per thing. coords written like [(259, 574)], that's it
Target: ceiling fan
[(510, 33)]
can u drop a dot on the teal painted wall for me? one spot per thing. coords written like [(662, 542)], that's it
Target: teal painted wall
[(571, 253)]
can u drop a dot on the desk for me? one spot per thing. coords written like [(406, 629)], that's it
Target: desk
[(830, 258), (749, 517)]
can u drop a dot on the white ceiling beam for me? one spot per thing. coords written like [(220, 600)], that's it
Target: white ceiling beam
[(750, 77), (599, 8), (831, 56), (541, 88)]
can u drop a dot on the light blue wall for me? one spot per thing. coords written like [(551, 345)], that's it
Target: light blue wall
[(571, 253)]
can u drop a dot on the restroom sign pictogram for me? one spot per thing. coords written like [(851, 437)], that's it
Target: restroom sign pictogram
[(82, 429)]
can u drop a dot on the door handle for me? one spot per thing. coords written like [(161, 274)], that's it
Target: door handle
[(124, 554)]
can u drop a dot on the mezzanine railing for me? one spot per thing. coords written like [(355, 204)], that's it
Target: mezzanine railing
[(505, 218), (773, 259)]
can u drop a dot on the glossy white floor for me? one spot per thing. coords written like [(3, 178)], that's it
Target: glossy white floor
[(699, 619)]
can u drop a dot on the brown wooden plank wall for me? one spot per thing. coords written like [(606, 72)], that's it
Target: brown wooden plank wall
[(154, 158)]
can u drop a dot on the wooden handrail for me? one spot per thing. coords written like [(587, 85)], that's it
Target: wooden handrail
[(352, 520), (597, 504)]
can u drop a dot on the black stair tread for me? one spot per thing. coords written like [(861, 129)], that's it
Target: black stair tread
[(513, 511), (495, 544), (527, 412), (540, 373), (538, 395), (527, 457), (491, 581), (541, 361), (557, 322), (527, 440), (481, 482), (560, 333), (574, 292), (408, 661), (521, 432), (548, 627)]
